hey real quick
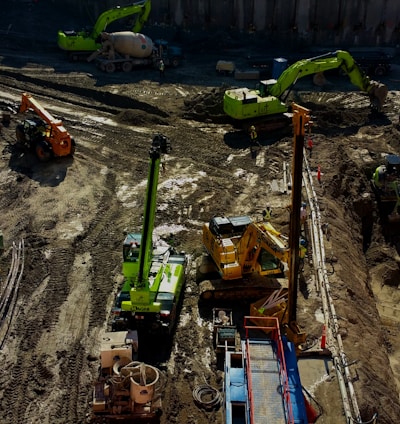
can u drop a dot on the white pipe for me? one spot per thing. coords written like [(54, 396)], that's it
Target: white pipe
[(349, 399)]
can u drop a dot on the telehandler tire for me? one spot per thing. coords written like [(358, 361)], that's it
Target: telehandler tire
[(42, 151), (20, 134), (73, 147)]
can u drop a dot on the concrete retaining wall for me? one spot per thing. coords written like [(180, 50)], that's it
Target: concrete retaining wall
[(306, 22)]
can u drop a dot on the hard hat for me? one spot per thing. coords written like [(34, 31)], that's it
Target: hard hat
[(304, 204), (252, 128)]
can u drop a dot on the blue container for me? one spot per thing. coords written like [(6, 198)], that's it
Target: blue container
[(279, 65)]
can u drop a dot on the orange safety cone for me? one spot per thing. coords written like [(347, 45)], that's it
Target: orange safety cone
[(319, 174), (323, 338)]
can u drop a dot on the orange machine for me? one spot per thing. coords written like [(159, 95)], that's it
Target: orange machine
[(45, 135)]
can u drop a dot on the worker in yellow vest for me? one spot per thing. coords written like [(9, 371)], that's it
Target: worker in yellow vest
[(267, 213), (253, 136)]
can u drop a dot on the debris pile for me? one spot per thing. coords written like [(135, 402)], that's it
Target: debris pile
[(207, 106)]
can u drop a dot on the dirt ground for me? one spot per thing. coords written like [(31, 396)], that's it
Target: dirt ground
[(73, 213)]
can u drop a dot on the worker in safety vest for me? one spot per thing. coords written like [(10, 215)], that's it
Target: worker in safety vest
[(161, 68), (303, 214), (379, 176), (302, 253), (267, 213), (310, 146), (253, 135)]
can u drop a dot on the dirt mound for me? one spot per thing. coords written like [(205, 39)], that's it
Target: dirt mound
[(139, 117), (207, 106)]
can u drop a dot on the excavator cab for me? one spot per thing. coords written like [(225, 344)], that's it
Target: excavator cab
[(131, 247), (269, 262), (264, 87)]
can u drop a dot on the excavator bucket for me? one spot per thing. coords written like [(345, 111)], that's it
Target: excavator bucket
[(319, 79), (378, 94), (394, 217)]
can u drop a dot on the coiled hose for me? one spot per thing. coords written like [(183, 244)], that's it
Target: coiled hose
[(207, 397)]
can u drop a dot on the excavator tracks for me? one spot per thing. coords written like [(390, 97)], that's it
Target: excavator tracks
[(253, 288)]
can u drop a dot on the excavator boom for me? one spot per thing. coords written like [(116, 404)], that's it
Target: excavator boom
[(339, 59), (142, 9)]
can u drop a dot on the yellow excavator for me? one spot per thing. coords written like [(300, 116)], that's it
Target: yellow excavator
[(265, 107), (253, 260), (249, 257)]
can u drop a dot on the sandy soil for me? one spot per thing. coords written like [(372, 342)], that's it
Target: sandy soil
[(72, 215)]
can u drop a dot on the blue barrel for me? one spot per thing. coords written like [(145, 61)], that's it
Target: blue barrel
[(279, 65)]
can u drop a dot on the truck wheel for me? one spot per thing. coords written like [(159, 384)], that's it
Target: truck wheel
[(380, 71), (175, 62), (127, 66), (42, 151), (110, 67), (20, 134)]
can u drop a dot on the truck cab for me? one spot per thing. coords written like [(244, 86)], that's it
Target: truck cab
[(172, 55), (374, 63)]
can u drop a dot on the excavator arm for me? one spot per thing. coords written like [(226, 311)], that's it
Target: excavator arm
[(142, 9), (263, 249)]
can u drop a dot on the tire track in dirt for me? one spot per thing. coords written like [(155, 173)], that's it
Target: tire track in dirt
[(34, 320), (97, 240)]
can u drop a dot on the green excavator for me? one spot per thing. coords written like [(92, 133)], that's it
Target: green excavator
[(265, 107), (80, 44)]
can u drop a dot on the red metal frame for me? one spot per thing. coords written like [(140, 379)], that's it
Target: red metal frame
[(269, 325)]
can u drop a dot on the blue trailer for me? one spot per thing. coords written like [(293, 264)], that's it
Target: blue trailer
[(262, 382)]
